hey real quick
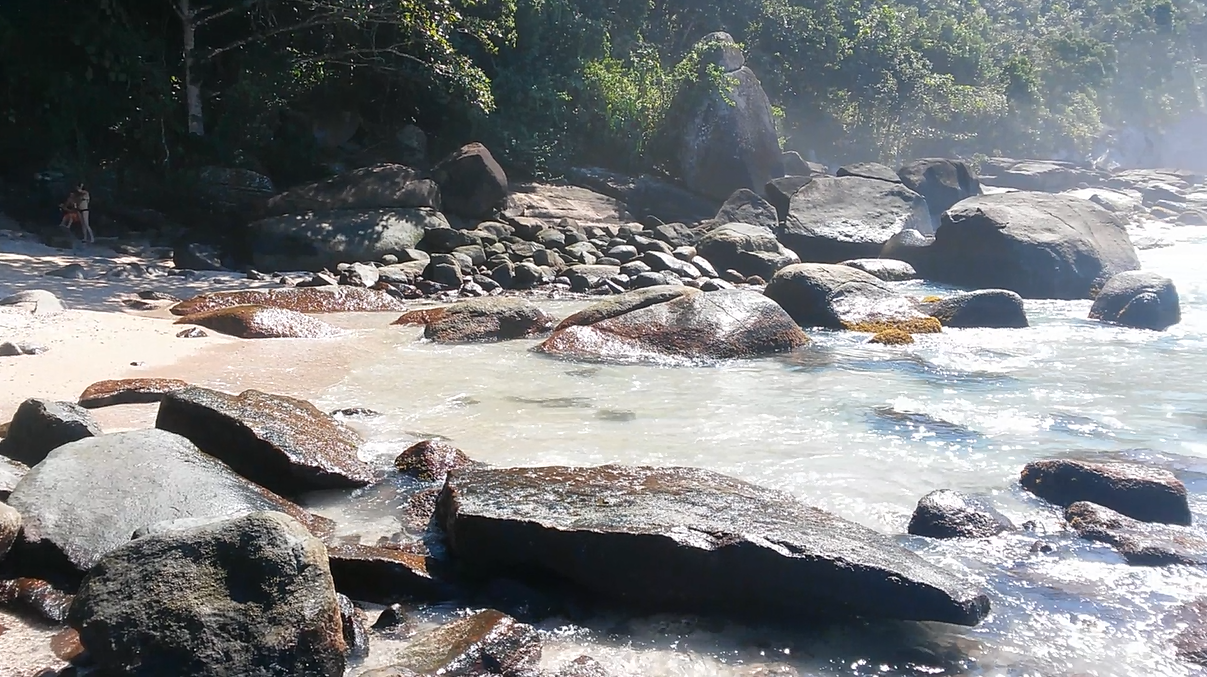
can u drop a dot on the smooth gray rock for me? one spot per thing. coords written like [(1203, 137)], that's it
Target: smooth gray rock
[(837, 297), (40, 426), (941, 181), (324, 239), (382, 186), (748, 249), (1138, 299), (746, 206), (951, 514), (993, 308), (1137, 491), (889, 270), (869, 170), (833, 219), (39, 300)]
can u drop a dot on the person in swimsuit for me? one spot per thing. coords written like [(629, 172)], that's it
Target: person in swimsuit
[(71, 212), (82, 198)]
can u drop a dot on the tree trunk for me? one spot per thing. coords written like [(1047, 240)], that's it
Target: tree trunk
[(192, 87)]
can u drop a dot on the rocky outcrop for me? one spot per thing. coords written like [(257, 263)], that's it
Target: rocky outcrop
[(383, 575), (869, 170), (749, 249), (485, 320), (951, 514), (682, 539), (1137, 491), (383, 186), (779, 192), (305, 300), (40, 426), (194, 256), (471, 182), (248, 596), (646, 196), (488, 642), (1049, 176), (148, 476), (1140, 543), (1037, 245), (324, 239), (128, 391), (993, 308), (258, 322), (833, 219), (662, 324), (745, 206), (1138, 299), (284, 444), (431, 460), (941, 181), (889, 270), (843, 297)]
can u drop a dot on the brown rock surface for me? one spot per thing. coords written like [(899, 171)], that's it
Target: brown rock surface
[(335, 299), (128, 391), (258, 322)]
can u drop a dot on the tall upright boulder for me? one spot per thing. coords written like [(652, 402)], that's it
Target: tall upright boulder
[(471, 182), (941, 181)]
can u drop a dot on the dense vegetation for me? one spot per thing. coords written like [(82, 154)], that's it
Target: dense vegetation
[(546, 83)]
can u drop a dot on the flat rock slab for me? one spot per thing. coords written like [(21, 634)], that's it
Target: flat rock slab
[(1140, 543), (335, 299), (486, 320), (384, 575), (40, 426), (128, 391), (488, 642), (1142, 493), (685, 539), (147, 476), (278, 442), (257, 322)]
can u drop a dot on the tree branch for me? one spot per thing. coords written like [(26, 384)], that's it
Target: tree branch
[(326, 20), (199, 20)]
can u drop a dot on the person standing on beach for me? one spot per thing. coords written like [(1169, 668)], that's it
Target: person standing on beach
[(82, 198)]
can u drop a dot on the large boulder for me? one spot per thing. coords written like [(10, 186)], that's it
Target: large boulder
[(833, 219), (486, 643), (485, 320), (472, 183), (257, 322), (1138, 491), (284, 444), (723, 133), (89, 496), (1140, 543), (247, 596), (550, 203), (383, 186), (685, 539), (324, 239), (646, 196), (941, 181), (332, 299), (869, 170), (40, 426), (993, 308), (675, 324), (746, 206), (842, 297), (951, 514), (1138, 299), (1052, 176), (1034, 244), (748, 249)]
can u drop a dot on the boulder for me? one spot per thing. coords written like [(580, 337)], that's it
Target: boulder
[(779, 193), (941, 181), (724, 135), (1034, 244), (247, 596), (284, 444), (1140, 543), (10, 528), (11, 473), (685, 539), (1137, 491), (748, 249), (382, 186), (834, 219), (488, 642), (647, 196), (672, 324), (745, 206), (196, 257), (995, 308), (383, 575), (951, 514), (148, 476), (359, 275), (1138, 299), (1051, 176), (1191, 641), (341, 299), (869, 170), (37, 300), (355, 624), (324, 239), (795, 165), (472, 183), (258, 322), (233, 188), (889, 270), (553, 203), (488, 319), (841, 297), (40, 426), (128, 391), (431, 460)]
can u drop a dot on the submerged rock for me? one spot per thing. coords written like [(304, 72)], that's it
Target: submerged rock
[(148, 476), (335, 299), (40, 426), (583, 666), (843, 297), (1138, 299), (661, 323), (488, 642), (1191, 643), (487, 319), (832, 219), (992, 308), (284, 444), (257, 322), (383, 575), (683, 539), (128, 391), (247, 596), (1143, 493), (951, 514), (431, 460), (1140, 543)]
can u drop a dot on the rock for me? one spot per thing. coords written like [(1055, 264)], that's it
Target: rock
[(11, 473), (1142, 493), (1191, 642), (446, 240), (941, 181), (192, 332), (670, 323), (10, 527), (128, 391), (842, 297), (324, 239), (553, 203), (796, 165), (382, 186), (37, 300), (1036, 245), (889, 270), (196, 257), (40, 426), (623, 253), (834, 219), (745, 206), (72, 271), (443, 269), (647, 196), (247, 596), (420, 317), (360, 275), (892, 337), (322, 278), (1138, 299), (148, 476), (258, 322), (486, 319), (355, 412), (1140, 543), (995, 308), (951, 514), (779, 192), (355, 627), (488, 642), (685, 539), (394, 618), (471, 181), (281, 443), (313, 300), (724, 135), (667, 263), (583, 666), (37, 598), (869, 170), (1050, 176), (14, 349), (748, 249), (431, 460), (383, 575), (232, 188)]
